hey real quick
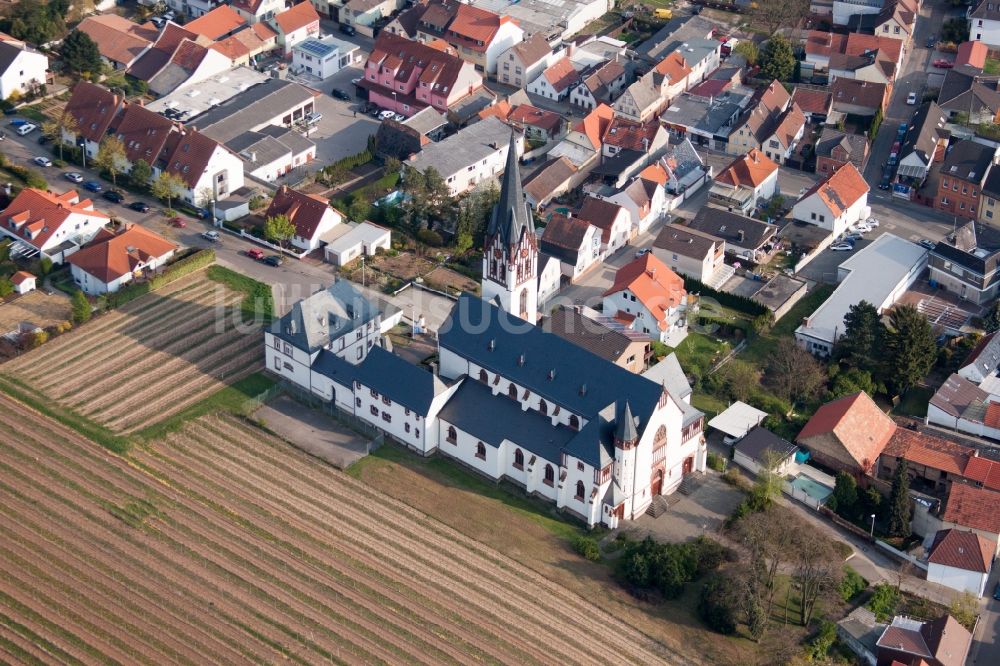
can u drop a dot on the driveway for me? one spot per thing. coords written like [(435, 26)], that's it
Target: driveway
[(313, 431), (342, 131), (986, 640), (690, 516)]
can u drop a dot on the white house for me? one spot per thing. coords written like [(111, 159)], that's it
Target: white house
[(556, 82), (21, 68), (525, 61), (52, 225), (960, 560), (112, 260), (837, 202), (470, 156), (206, 166), (649, 298), (644, 199), (347, 242), (272, 151), (692, 253), (255, 11), (295, 25), (748, 180), (576, 242), (323, 58), (23, 282), (984, 23), (310, 213), (549, 277), (614, 221)]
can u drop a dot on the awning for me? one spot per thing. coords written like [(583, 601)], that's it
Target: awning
[(738, 419)]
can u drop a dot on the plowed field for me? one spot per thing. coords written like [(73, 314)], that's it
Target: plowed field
[(149, 359), (221, 544)]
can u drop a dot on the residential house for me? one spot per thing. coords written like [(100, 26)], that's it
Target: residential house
[(848, 434), (925, 143), (982, 363), (644, 199), (879, 273), (525, 61), (557, 81), (613, 220), (582, 144), (896, 19), (218, 24), (50, 225), (323, 58), (347, 242), (835, 149), (970, 96), (406, 76), (469, 157), (941, 642), (858, 97), (575, 242), (311, 214), (600, 335), (748, 180), (650, 298), (629, 146), (120, 41), (549, 277), (960, 560), (963, 173), (177, 59), (960, 405), (692, 253), (22, 68), (762, 449), (984, 23), (676, 75), (678, 171), (971, 508), (780, 143), (295, 25), (113, 259), (744, 237), (760, 120), (555, 177), (255, 11), (706, 121), (143, 134), (92, 108), (601, 86), (654, 91), (203, 164), (814, 104), (973, 54), (673, 35), (933, 464), (538, 124), (874, 67), (272, 151), (837, 202), (965, 263), (989, 202), (365, 14)]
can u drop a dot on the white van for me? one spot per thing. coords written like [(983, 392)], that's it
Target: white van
[(27, 128)]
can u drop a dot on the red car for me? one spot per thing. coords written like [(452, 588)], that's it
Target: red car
[(178, 222), (943, 64), (255, 253)]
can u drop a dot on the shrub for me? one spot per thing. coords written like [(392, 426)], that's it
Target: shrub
[(852, 584), (734, 301), (666, 568), (430, 237), (174, 271), (6, 287), (39, 338), (587, 548), (716, 462), (716, 606), (820, 646), (884, 602), (80, 307)]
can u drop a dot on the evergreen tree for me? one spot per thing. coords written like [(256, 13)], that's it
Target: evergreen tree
[(991, 322), (909, 346), (844, 499), (80, 307), (863, 332), (777, 61), (900, 507), (80, 53)]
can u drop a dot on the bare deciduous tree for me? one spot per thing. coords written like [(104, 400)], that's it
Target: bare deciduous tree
[(776, 14)]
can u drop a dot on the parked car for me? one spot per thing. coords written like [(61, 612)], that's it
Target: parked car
[(932, 41), (929, 244), (17, 122), (43, 139), (641, 252), (73, 177), (113, 196), (386, 115), (886, 179), (140, 206), (842, 247), (872, 222), (996, 592), (3, 136), (312, 118), (941, 63), (375, 112), (852, 238), (348, 29), (178, 222), (274, 260), (211, 236), (26, 129), (862, 228), (42, 161), (911, 99), (337, 93), (255, 253), (356, 81), (93, 186), (399, 117)]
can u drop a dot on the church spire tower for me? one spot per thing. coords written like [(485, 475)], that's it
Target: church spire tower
[(510, 254)]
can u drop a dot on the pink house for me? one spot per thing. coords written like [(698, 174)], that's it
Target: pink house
[(406, 76)]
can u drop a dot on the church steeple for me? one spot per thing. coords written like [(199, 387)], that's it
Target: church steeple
[(510, 254)]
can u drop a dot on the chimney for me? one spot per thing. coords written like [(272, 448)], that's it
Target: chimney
[(583, 389), (521, 359), (492, 345), (292, 327), (740, 235), (434, 368)]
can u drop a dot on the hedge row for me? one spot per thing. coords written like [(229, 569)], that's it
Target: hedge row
[(174, 271), (352, 161), (258, 301), (738, 303)]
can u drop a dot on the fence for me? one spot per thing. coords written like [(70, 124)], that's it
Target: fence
[(900, 555)]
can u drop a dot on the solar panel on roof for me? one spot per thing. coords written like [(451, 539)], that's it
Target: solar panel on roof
[(316, 48)]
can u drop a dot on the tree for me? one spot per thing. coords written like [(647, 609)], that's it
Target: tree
[(427, 199), (278, 229), (909, 347), (57, 129), (716, 606), (991, 322), (748, 50), (168, 186), (80, 54), (775, 14), (861, 342), (766, 535), (141, 174), (900, 506), (844, 499), (80, 307), (35, 22), (964, 608), (793, 372), (777, 61), (850, 382), (740, 379), (111, 157), (205, 197), (6, 287), (817, 570)]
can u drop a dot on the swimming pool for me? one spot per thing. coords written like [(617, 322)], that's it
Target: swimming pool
[(812, 488)]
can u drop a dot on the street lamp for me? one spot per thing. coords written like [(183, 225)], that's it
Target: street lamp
[(395, 106), (873, 526)]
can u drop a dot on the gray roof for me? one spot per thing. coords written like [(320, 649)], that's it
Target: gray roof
[(625, 430), (252, 109), (968, 160), (289, 137), (8, 53), (728, 226), (426, 120), (711, 116), (672, 35), (582, 382), (168, 79), (957, 394), (670, 375), (926, 127), (469, 146), (325, 316), (511, 217), (257, 149), (986, 9), (854, 144), (685, 241), (595, 336), (409, 385), (756, 443), (986, 355), (965, 89)]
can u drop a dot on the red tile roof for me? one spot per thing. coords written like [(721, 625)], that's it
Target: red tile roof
[(187, 155), (710, 88), (117, 38), (920, 448), (439, 70), (296, 18), (567, 233), (476, 27), (749, 170), (305, 211), (858, 43), (630, 135), (93, 107), (657, 287), (143, 132), (674, 67), (841, 189), (984, 471), (110, 256), (969, 506), (595, 124), (972, 53), (36, 215), (19, 277), (561, 74), (992, 417), (857, 424), (774, 97), (962, 550), (217, 23), (526, 114), (824, 43), (813, 101)]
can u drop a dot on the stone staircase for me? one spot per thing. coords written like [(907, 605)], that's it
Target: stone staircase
[(721, 276), (657, 507), (690, 484)]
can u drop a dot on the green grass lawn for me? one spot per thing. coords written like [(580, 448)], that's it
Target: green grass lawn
[(991, 67), (914, 402), (700, 349), (710, 404), (761, 347)]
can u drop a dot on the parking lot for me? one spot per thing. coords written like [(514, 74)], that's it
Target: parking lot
[(343, 130)]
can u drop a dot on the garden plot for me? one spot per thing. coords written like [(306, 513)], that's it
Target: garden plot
[(148, 360), (222, 544)]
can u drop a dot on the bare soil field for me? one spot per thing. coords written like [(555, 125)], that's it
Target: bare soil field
[(36, 307), (221, 544), (404, 266), (453, 280), (149, 359)]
